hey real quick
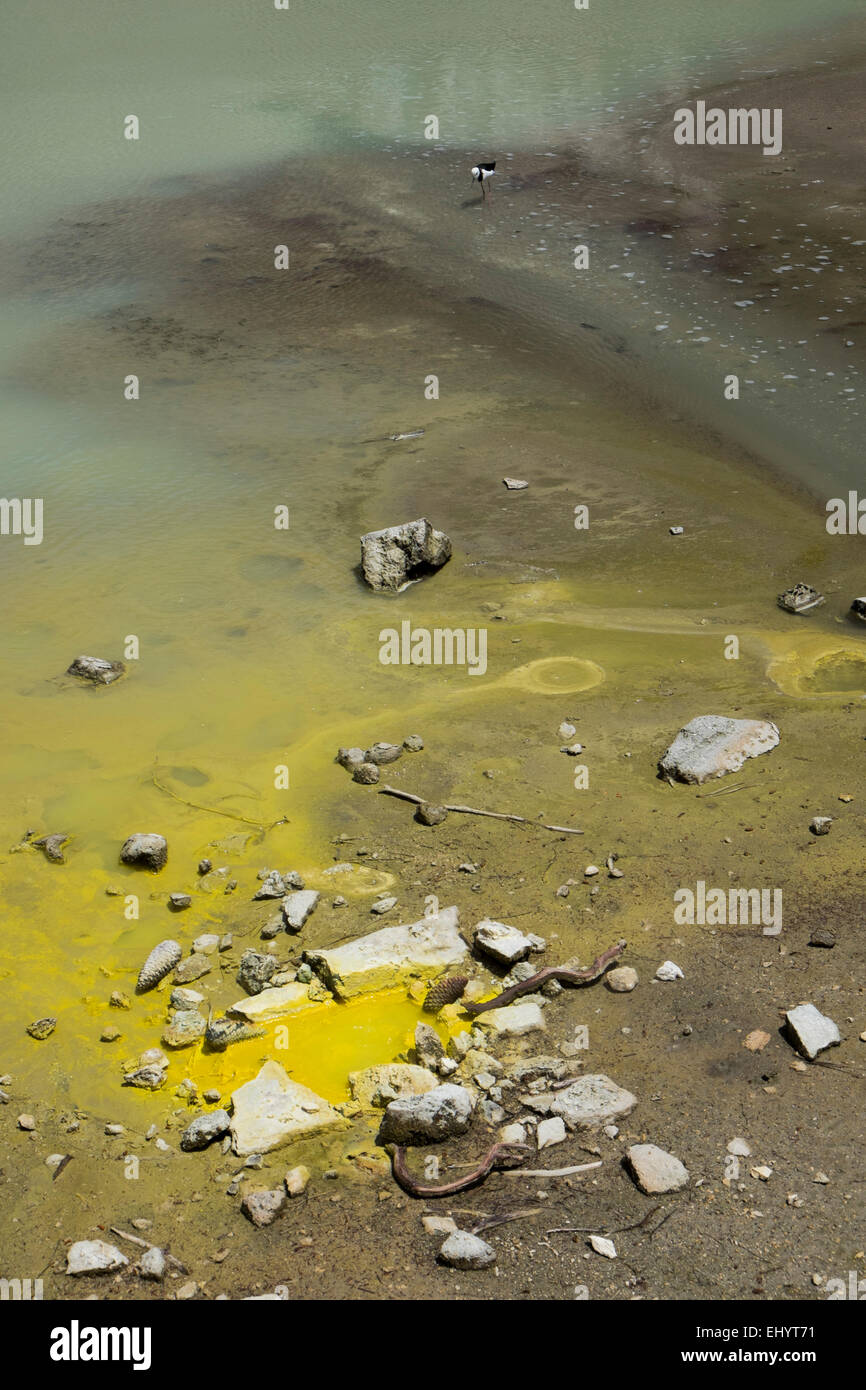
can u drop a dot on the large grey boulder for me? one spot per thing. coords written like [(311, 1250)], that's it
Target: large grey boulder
[(442, 1113), (713, 745), (399, 555)]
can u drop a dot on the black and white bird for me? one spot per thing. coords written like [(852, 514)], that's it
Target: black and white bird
[(481, 173)]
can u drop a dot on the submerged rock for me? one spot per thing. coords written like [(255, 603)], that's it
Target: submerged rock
[(367, 774), (388, 957), (297, 907), (162, 959), (222, 1032), (441, 1113), (399, 555), (192, 968), (428, 814), (713, 745), (96, 669), (272, 1110), (149, 1078), (184, 1028), (264, 1206), (382, 753), (52, 847), (42, 1028), (144, 851), (800, 598)]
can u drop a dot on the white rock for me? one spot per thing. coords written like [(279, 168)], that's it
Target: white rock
[(622, 980), (505, 944), (207, 944), (462, 1250), (439, 1225), (602, 1246), (654, 1170), (611, 1131), (762, 1172), (275, 1003), (566, 730), (296, 1180), (376, 1087), (550, 1131), (388, 957), (514, 1020), (152, 1263), (514, 1133), (94, 1257), (591, 1101), (590, 871), (272, 1110), (669, 971), (713, 745), (740, 1148), (297, 908), (442, 1113), (810, 1030)]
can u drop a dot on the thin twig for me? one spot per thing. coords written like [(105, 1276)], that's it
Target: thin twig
[(605, 1230), (474, 811), (212, 810), (146, 1245), (489, 1222), (549, 1172)]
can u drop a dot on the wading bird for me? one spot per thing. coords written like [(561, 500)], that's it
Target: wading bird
[(482, 172)]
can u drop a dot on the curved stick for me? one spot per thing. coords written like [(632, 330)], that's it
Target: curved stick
[(500, 1156), (551, 972)]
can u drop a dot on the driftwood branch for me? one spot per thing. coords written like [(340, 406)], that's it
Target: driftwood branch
[(474, 811)]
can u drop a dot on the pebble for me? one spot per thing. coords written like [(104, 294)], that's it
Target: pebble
[(654, 1170), (590, 871), (179, 902), (119, 1000), (462, 1250), (439, 1225), (42, 1028), (296, 1180), (428, 814), (551, 1131), (207, 944), (740, 1148), (822, 936), (262, 1206), (192, 968), (383, 905), (115, 1129), (668, 970), (187, 1291), (602, 1246), (622, 980), (204, 1129), (26, 1122), (413, 743), (566, 730), (811, 1031), (514, 1133), (94, 1257), (366, 773), (152, 1264), (109, 1033), (820, 825)]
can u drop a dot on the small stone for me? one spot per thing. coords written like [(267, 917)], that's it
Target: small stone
[(668, 970), (383, 905), (501, 942), (573, 750), (590, 871), (383, 753), (119, 1000), (204, 866), (515, 484), (226, 942), (187, 1291), (42, 1028), (206, 944), (566, 730), (184, 1028), (115, 1129), (514, 1020), (366, 773), (179, 902), (439, 1225), (756, 1041), (551, 1131), (654, 1170), (514, 1133), (461, 1250), (428, 814), (441, 1113), (211, 1097), (54, 1160), (109, 1033), (413, 743), (94, 1257), (26, 1122), (820, 825), (185, 999), (192, 968), (622, 980), (762, 1172), (602, 1246), (296, 1180), (740, 1148), (204, 1129), (811, 1031), (822, 936), (255, 971), (152, 1264), (263, 1206), (821, 1178), (676, 530), (611, 1131), (297, 907)]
